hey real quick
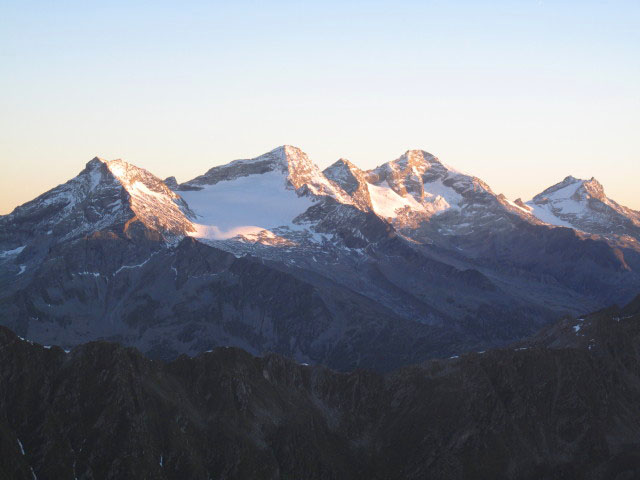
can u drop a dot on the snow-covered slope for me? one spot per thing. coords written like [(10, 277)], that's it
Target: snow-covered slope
[(417, 175), (153, 203), (418, 191), (421, 179), (254, 196), (245, 205), (583, 205)]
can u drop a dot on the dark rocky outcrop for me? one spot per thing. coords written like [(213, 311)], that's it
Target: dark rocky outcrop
[(547, 408)]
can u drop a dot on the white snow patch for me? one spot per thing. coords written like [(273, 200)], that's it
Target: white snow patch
[(212, 232), (576, 328), (23, 268), (125, 267), (245, 206), (95, 274), (544, 213), (561, 203), (118, 169), (95, 176), (437, 189), (138, 188), (522, 209), (15, 251), (386, 202), (21, 447)]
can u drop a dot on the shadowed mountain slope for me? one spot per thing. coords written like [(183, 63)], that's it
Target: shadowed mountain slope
[(548, 408)]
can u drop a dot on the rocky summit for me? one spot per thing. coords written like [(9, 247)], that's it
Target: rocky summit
[(344, 267)]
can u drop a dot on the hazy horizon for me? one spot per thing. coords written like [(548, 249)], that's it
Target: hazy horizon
[(519, 94)]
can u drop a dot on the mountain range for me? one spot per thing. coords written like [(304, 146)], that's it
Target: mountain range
[(344, 267)]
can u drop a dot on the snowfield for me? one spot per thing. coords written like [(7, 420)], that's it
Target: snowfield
[(245, 206)]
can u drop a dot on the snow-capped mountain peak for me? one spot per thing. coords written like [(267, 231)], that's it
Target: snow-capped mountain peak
[(155, 205), (583, 205), (106, 195), (298, 170), (352, 180), (249, 196), (420, 177), (572, 187)]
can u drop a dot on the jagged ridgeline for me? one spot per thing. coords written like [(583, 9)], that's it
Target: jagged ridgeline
[(562, 405), (344, 267)]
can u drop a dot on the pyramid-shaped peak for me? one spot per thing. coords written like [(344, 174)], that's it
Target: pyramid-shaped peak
[(95, 162), (293, 156), (133, 179), (345, 174), (291, 150), (344, 165), (107, 196)]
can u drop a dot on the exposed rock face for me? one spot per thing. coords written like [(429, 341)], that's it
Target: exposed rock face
[(105, 196), (525, 412), (441, 190), (171, 182), (344, 267), (353, 180), (192, 297)]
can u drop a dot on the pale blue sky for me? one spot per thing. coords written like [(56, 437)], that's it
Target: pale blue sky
[(519, 93)]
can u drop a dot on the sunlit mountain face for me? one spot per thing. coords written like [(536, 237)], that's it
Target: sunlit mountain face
[(401, 322), (346, 267)]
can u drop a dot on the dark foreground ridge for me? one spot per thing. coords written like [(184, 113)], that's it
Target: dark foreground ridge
[(564, 405)]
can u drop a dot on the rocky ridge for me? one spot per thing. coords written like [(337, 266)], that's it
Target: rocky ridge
[(583, 205), (399, 264), (540, 409)]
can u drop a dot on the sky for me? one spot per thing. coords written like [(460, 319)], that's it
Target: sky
[(519, 93)]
